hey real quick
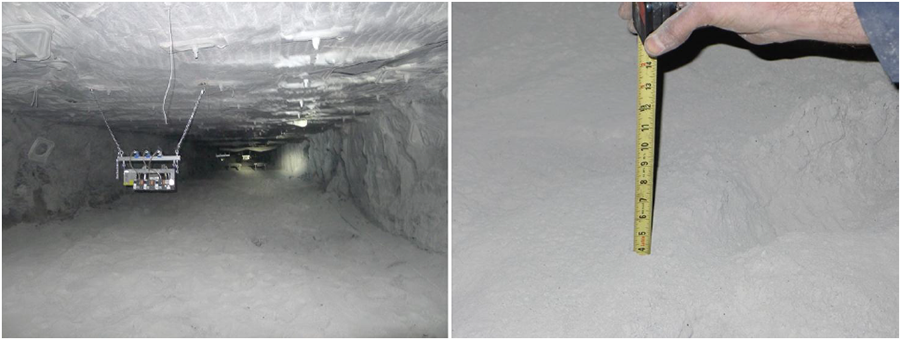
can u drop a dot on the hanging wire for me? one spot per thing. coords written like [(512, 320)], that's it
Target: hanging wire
[(171, 67), (188, 126), (119, 148), (107, 124)]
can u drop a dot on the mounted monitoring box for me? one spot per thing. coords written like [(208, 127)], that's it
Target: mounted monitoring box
[(154, 173), (150, 179)]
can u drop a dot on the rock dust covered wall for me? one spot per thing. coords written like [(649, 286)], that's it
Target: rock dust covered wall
[(393, 165)]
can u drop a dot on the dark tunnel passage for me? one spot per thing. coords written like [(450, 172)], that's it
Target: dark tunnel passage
[(310, 198)]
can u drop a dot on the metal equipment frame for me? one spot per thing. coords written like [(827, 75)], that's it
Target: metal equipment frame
[(149, 177)]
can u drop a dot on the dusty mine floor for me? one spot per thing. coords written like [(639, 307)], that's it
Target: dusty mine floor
[(776, 211), (246, 254)]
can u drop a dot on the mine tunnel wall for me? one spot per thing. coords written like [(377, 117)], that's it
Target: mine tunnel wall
[(292, 160), (79, 170), (392, 164)]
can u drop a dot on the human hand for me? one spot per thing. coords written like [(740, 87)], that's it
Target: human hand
[(758, 23)]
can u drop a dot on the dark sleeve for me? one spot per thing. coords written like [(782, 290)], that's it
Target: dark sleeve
[(879, 20)]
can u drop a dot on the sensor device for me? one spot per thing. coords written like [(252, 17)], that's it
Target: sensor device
[(154, 173)]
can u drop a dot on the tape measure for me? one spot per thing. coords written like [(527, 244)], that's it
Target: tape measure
[(646, 148), (647, 16)]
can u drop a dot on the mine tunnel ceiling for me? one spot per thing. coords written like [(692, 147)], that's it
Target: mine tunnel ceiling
[(264, 66)]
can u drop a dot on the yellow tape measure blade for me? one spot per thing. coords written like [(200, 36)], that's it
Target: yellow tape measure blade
[(646, 146)]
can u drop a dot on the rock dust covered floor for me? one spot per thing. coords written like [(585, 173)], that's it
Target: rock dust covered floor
[(776, 211), (248, 254)]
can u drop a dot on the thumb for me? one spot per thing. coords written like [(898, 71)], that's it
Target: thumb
[(676, 30)]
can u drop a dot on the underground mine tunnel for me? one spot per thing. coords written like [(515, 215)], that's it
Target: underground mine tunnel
[(224, 169)]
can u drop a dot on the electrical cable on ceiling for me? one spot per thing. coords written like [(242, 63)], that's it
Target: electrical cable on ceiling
[(172, 67)]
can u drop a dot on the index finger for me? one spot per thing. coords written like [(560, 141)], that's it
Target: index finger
[(625, 11)]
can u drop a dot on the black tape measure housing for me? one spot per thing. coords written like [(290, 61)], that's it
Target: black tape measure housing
[(648, 16)]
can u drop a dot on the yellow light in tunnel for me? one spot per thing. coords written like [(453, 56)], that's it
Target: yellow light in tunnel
[(299, 122)]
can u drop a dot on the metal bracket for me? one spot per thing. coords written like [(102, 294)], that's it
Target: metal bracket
[(149, 159)]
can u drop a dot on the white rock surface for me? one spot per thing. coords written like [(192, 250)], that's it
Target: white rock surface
[(247, 254), (776, 211), (392, 165), (254, 58)]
